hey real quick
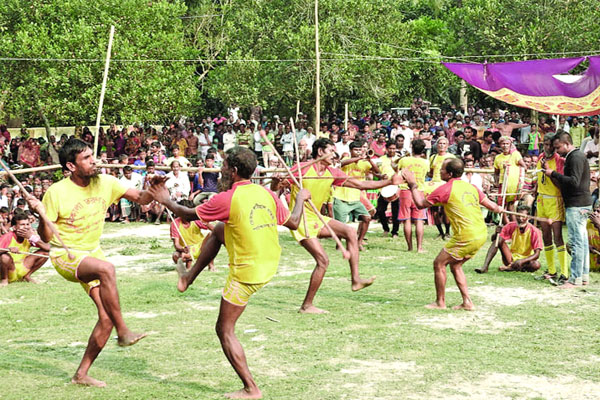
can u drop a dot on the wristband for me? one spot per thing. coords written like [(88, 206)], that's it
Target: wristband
[(34, 239)]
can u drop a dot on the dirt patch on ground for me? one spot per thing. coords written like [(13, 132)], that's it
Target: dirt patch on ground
[(514, 296), (145, 315), (499, 386), (148, 230), (481, 320)]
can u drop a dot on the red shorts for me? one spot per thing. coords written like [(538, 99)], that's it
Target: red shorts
[(408, 209)]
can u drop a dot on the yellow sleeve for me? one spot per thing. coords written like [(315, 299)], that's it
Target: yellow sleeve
[(116, 188), (51, 205)]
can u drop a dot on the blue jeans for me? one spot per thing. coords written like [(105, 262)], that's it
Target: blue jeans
[(578, 240)]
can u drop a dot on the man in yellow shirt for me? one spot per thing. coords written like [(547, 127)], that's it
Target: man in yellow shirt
[(525, 247), (347, 201), (435, 164), (550, 204), (512, 160), (319, 189), (389, 166), (461, 202), (15, 266), (77, 206), (409, 212), (249, 214)]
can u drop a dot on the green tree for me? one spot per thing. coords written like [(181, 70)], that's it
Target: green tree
[(68, 92)]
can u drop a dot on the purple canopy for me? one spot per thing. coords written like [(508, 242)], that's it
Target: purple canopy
[(532, 84)]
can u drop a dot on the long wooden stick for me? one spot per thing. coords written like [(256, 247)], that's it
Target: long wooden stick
[(503, 195), (42, 214), (299, 173), (25, 252), (34, 169), (548, 220), (340, 246), (103, 90)]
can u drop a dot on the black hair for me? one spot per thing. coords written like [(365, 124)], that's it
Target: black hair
[(68, 153), (356, 143), (127, 168), (390, 143), (243, 160), (21, 202), (320, 143), (525, 208), (563, 136), (19, 216), (210, 156), (3, 209), (418, 146)]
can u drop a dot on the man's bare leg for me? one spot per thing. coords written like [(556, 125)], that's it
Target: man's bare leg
[(439, 276), (419, 232), (33, 263), (96, 343), (7, 265), (489, 256), (313, 246), (363, 227), (210, 248), (344, 231), (228, 316), (461, 282), (91, 269), (408, 233)]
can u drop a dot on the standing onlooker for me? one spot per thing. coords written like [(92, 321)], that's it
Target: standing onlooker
[(575, 189), (577, 132)]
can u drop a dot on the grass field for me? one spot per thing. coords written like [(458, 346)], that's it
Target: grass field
[(526, 340)]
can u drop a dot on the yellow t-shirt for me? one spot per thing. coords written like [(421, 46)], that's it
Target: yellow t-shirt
[(79, 212), (319, 189), (418, 166), (461, 202), (544, 183), (386, 165), (513, 159), (436, 162), (357, 170), (190, 235), (251, 214), (9, 240)]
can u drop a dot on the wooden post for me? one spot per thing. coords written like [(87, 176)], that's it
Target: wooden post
[(318, 73), (346, 117), (103, 90)]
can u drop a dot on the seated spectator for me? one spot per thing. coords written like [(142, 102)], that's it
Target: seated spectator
[(14, 265)]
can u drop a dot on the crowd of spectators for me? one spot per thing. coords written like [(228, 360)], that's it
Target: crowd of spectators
[(200, 143)]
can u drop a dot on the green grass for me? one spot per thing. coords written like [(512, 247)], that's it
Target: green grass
[(377, 343)]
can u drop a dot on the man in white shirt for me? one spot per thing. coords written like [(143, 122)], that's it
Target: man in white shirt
[(178, 183), (184, 162), (229, 139), (408, 135), (343, 147), (131, 180)]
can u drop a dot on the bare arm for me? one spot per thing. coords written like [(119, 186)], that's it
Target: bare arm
[(160, 193), (294, 220), (490, 205), (366, 185)]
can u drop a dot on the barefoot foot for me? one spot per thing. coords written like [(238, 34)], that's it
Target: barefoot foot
[(362, 283), (30, 280), (436, 306), (87, 381), (245, 394), (463, 306), (421, 251), (130, 339), (182, 284), (4, 283), (311, 310)]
